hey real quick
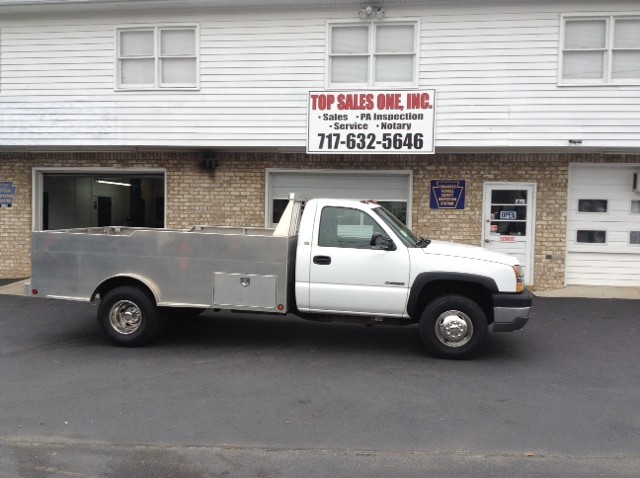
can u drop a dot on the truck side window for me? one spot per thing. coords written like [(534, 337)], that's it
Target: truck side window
[(347, 228)]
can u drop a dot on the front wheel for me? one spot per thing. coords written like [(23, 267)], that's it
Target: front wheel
[(453, 327), (128, 316)]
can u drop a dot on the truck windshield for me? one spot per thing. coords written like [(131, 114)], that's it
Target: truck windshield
[(403, 232)]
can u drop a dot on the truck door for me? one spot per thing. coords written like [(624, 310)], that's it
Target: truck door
[(347, 274)]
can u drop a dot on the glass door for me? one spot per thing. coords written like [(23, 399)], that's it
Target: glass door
[(508, 221)]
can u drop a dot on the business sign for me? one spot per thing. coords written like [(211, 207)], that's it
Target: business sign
[(447, 194), (508, 215), (371, 122), (7, 193)]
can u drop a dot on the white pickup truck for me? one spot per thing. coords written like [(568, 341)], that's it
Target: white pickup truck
[(328, 259)]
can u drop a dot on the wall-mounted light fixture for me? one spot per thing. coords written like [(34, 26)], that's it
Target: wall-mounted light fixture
[(575, 141), (209, 162), (371, 12), (113, 183)]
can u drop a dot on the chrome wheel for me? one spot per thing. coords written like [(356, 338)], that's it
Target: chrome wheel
[(125, 317), (128, 315), (454, 328)]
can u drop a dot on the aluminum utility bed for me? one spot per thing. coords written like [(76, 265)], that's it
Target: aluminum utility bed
[(205, 266)]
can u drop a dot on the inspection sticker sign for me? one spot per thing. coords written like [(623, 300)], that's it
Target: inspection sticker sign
[(448, 194), (7, 193), (371, 122)]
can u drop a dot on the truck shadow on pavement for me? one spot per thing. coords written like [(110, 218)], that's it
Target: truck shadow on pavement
[(36, 325), (272, 333)]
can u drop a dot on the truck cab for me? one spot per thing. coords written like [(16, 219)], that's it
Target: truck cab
[(356, 259)]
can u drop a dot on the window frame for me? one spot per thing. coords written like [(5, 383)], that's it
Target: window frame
[(38, 176), (591, 200), (589, 243), (608, 50), (158, 57), (371, 53)]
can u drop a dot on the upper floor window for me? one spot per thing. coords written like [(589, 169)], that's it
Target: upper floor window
[(372, 54), (600, 50), (157, 57)]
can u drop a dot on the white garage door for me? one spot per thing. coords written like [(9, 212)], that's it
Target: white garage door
[(391, 188), (603, 233)]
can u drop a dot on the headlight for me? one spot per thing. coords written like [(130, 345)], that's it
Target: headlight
[(519, 278)]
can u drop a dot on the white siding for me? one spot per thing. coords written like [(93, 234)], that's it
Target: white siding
[(494, 67), (617, 262)]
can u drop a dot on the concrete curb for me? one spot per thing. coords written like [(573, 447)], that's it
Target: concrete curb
[(592, 292), (15, 288)]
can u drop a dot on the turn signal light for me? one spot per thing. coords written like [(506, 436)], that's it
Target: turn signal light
[(519, 278)]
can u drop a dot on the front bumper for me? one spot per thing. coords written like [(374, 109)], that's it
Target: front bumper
[(511, 311)]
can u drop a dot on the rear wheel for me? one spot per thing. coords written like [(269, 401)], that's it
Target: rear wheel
[(453, 326), (129, 317)]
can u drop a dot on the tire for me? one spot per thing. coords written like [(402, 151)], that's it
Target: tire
[(128, 316), (453, 327)]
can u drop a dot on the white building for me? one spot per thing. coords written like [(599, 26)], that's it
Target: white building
[(528, 140)]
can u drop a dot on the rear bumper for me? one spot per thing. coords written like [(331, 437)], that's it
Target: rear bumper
[(511, 311)]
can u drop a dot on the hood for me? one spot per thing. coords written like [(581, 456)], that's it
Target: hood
[(452, 249)]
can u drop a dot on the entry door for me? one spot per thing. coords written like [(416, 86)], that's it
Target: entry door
[(509, 210)]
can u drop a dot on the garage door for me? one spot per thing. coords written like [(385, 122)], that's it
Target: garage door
[(603, 233), (391, 189)]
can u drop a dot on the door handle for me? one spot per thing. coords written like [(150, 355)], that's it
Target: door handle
[(322, 260)]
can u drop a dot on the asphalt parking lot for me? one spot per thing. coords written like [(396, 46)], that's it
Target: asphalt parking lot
[(225, 395)]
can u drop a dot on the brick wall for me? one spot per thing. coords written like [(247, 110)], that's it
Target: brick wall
[(15, 222), (234, 193), (549, 172)]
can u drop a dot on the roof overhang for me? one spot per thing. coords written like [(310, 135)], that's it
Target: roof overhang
[(53, 6)]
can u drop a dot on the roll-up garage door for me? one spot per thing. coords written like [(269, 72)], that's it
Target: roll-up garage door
[(391, 189), (603, 233)]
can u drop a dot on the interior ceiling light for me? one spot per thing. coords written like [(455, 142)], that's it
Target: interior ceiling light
[(113, 183)]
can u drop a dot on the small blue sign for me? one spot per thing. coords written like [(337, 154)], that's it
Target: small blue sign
[(447, 194), (7, 193)]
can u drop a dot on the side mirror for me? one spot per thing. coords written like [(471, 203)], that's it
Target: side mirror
[(382, 242)]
